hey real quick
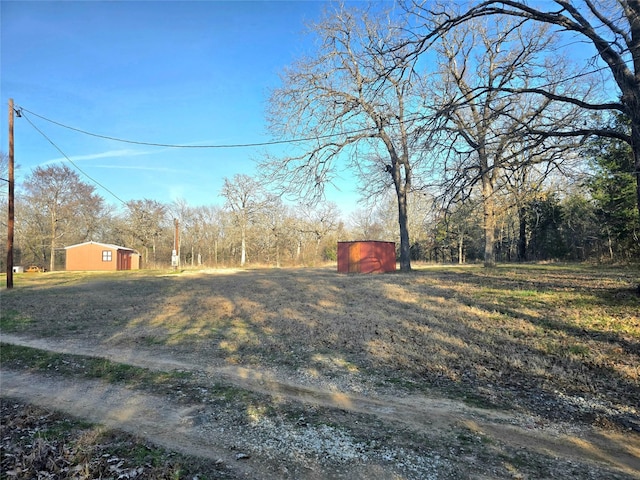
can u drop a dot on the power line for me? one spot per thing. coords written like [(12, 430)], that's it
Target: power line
[(173, 145), (72, 162), (277, 142)]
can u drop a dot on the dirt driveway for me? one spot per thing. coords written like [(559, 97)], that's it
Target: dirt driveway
[(266, 450)]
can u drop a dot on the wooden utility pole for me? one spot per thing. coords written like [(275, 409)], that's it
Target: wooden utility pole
[(10, 201)]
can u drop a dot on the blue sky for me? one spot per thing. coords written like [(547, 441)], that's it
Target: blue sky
[(163, 72)]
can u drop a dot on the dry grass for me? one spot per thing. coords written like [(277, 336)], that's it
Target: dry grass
[(536, 338)]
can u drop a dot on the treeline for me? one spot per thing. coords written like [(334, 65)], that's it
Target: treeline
[(549, 227), (55, 209), (587, 213), (589, 216)]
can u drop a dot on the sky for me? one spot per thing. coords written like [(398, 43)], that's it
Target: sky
[(169, 72), (185, 73)]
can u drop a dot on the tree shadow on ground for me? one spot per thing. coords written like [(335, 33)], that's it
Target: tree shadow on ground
[(493, 337)]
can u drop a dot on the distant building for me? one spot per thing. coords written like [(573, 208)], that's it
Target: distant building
[(101, 256)]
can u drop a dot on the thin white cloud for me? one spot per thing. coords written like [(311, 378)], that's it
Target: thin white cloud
[(93, 156), (139, 167)]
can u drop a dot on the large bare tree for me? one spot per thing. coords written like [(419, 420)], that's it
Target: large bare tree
[(611, 27), (488, 131), (352, 101)]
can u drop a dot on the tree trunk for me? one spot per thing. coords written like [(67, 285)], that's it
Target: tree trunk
[(52, 260), (635, 148), (243, 247), (317, 249), (405, 252), (610, 244), (489, 220), (402, 187), (522, 237)]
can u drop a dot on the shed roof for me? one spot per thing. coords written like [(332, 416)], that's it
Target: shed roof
[(366, 241), (105, 245)]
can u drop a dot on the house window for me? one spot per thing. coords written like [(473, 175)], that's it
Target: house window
[(106, 255)]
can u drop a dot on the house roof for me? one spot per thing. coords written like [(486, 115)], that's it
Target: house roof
[(105, 245)]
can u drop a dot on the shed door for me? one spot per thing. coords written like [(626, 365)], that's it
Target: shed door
[(354, 257), (124, 261)]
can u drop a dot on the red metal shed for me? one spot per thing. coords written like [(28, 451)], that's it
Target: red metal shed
[(366, 257)]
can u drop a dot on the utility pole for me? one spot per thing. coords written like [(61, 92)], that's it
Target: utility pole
[(10, 201), (175, 255)]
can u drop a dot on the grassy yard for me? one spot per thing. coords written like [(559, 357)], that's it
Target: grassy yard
[(561, 341)]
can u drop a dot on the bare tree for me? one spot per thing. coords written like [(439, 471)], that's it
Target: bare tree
[(275, 229), (145, 221), (192, 230), (319, 222), (62, 209), (211, 218), (612, 27), (487, 130), (352, 101), (245, 198), (366, 225), (523, 181), (204, 234)]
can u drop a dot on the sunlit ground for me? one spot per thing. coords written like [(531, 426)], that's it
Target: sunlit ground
[(507, 336)]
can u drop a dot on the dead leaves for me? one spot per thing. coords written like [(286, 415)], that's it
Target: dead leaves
[(39, 445)]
